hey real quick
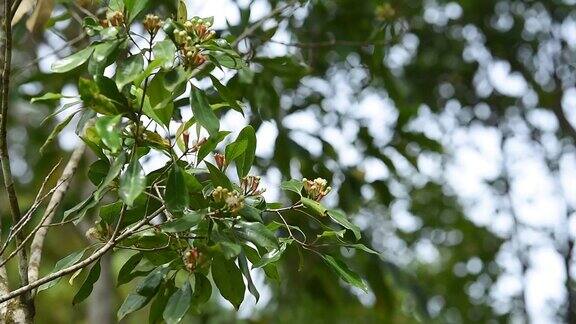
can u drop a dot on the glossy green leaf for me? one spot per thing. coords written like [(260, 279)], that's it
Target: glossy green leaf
[(342, 270), (271, 256), (66, 262), (132, 182), (340, 218), (218, 177), (202, 289), (258, 234), (292, 185), (126, 273), (178, 304), (226, 94), (107, 128), (88, 285), (134, 8), (211, 144), (314, 206), (131, 304), (129, 69), (245, 161), (176, 195), (98, 171), (184, 223), (149, 285), (203, 112), (243, 262), (228, 280), (235, 150), (164, 51), (73, 61), (54, 134)]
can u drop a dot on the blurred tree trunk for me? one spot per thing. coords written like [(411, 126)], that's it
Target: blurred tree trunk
[(101, 310)]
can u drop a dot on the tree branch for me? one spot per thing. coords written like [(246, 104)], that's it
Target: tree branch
[(4, 156), (62, 187), (71, 269)]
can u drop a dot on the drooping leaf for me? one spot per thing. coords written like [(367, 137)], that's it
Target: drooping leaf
[(149, 285), (202, 289), (55, 132), (226, 94), (107, 128), (340, 218), (131, 304), (88, 285), (244, 162), (134, 8), (61, 264), (125, 273), (178, 304), (243, 262), (176, 196), (132, 182), (98, 171), (342, 270), (228, 280), (203, 112), (111, 176)]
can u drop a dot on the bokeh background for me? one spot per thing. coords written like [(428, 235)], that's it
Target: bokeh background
[(447, 129)]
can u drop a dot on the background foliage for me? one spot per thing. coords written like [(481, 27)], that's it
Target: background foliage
[(366, 94)]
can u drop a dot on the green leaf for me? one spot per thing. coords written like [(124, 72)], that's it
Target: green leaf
[(250, 213), (73, 61), (218, 177), (161, 103), (86, 288), (271, 256), (203, 112), (164, 52), (184, 223), (245, 161), (93, 98), (178, 304), (131, 304), (98, 171), (342, 270), (246, 272), (202, 289), (55, 132), (176, 196), (63, 263), (361, 247), (103, 56), (129, 69), (149, 285), (47, 97), (126, 273), (132, 182), (134, 8), (229, 250), (293, 185), (235, 149), (211, 144), (159, 304), (107, 128), (340, 218), (111, 176), (258, 234), (228, 279), (314, 206), (226, 94)]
